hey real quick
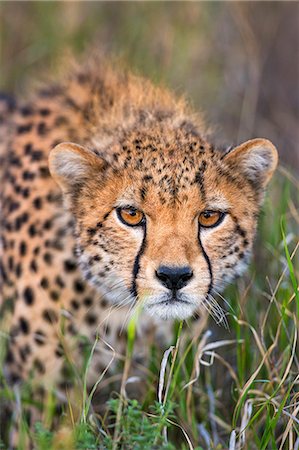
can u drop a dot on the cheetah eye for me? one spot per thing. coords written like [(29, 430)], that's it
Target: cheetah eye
[(209, 219), (130, 216)]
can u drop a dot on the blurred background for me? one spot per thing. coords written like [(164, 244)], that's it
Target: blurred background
[(238, 62)]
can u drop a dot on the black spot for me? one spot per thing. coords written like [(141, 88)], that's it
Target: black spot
[(147, 178), (104, 303), (24, 352), (66, 385), (60, 120), (21, 129), (87, 301), (28, 176), (18, 270), (39, 337), (48, 257), (41, 128), (11, 263), (24, 326), (37, 202), (69, 265), (39, 366), (66, 370), (59, 281), (50, 315), (59, 351), (75, 305), (33, 265), (23, 248), (23, 355), (26, 111), (44, 112), (79, 286), (14, 378), (37, 155), (48, 224), (44, 172), (28, 295), (13, 206), (91, 231), (54, 295), (32, 230), (36, 250), (44, 282), (28, 149), (90, 319), (9, 358), (14, 161), (26, 192), (72, 329)]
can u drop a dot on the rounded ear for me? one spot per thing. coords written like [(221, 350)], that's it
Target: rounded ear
[(72, 165), (255, 159)]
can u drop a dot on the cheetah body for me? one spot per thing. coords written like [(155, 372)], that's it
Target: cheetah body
[(70, 267)]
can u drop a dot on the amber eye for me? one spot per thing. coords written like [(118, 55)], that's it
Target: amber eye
[(130, 216), (210, 218)]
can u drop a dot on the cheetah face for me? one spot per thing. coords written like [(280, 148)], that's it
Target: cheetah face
[(164, 223)]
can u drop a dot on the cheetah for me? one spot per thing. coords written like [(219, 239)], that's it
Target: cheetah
[(113, 197)]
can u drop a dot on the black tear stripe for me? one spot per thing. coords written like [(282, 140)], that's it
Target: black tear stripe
[(136, 266), (210, 288)]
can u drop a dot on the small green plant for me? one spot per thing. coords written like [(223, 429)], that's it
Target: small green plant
[(140, 430)]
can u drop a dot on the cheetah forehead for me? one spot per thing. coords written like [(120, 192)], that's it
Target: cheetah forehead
[(163, 172)]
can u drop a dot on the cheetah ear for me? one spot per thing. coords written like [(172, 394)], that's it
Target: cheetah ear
[(256, 159), (72, 165)]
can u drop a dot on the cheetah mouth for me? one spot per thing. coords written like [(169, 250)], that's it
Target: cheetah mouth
[(171, 306), (172, 298), (172, 301)]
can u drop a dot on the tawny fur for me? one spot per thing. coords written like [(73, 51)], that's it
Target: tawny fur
[(68, 267)]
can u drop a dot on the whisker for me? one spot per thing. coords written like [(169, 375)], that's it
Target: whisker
[(219, 312), (225, 301)]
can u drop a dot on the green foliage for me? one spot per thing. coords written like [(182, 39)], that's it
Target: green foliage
[(140, 430), (43, 438)]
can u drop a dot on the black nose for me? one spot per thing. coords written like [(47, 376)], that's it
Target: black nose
[(174, 277)]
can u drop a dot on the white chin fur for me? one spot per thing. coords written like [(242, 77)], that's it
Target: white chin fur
[(175, 310)]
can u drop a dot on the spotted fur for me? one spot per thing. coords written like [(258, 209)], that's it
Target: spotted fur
[(69, 266)]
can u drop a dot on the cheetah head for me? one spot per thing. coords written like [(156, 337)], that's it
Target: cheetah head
[(164, 219)]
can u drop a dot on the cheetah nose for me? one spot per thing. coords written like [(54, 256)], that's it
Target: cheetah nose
[(174, 278)]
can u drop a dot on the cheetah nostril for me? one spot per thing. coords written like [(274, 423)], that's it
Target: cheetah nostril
[(174, 278)]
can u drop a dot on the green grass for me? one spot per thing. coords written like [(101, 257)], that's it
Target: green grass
[(226, 389)]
